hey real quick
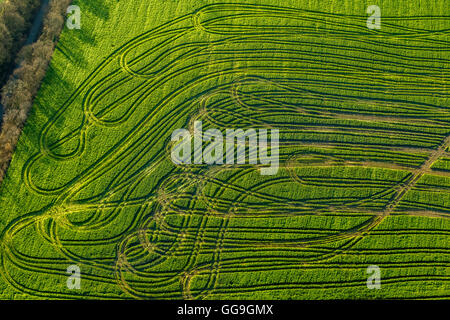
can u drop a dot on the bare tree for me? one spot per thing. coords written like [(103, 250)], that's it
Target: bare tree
[(19, 91)]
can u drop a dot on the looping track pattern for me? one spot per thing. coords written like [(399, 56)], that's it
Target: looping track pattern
[(360, 125)]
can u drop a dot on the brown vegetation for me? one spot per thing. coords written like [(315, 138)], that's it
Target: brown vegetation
[(15, 19), (23, 84)]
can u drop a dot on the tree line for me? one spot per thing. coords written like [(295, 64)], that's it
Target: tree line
[(32, 60), (15, 20)]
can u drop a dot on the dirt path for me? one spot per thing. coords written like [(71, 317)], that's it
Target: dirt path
[(416, 175)]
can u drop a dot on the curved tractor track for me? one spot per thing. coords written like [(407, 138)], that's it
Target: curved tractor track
[(358, 136)]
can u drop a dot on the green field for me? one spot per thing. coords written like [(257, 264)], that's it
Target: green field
[(364, 177)]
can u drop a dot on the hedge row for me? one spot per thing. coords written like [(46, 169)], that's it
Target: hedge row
[(20, 89), (15, 19)]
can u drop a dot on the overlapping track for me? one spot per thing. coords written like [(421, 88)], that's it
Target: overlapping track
[(361, 126)]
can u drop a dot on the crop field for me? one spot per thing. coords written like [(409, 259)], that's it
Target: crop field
[(364, 154)]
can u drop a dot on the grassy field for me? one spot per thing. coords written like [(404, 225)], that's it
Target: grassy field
[(364, 175)]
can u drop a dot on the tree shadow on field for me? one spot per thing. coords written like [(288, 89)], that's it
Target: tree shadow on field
[(73, 43), (97, 8), (46, 103), (74, 54)]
